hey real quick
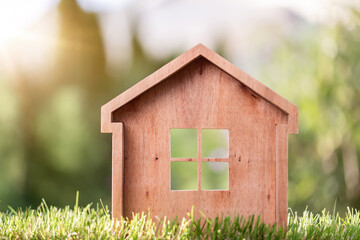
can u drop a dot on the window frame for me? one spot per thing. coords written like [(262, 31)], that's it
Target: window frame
[(199, 159)]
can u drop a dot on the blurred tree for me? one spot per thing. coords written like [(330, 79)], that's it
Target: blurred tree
[(11, 147), (81, 57), (64, 149), (320, 75)]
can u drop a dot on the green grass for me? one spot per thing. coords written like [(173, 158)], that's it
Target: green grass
[(95, 222)]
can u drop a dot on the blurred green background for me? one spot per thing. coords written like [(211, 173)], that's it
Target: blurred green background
[(60, 61)]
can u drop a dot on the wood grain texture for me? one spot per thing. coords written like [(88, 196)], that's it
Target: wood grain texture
[(281, 174), (200, 96), (117, 169), (202, 90), (181, 62)]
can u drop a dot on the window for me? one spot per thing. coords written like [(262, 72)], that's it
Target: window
[(199, 159), (184, 143)]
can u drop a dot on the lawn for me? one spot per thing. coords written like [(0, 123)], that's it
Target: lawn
[(95, 222)]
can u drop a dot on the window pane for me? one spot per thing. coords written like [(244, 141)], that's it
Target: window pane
[(184, 176), (215, 143), (215, 176), (184, 142)]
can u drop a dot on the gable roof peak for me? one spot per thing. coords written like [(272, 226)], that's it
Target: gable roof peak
[(180, 62)]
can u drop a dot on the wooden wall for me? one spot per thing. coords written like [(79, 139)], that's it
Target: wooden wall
[(202, 96)]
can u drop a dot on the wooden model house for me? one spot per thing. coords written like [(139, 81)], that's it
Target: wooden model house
[(196, 92)]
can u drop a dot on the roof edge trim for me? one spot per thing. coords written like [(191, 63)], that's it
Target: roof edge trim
[(180, 62)]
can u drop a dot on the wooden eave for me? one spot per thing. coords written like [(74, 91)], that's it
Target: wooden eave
[(179, 63)]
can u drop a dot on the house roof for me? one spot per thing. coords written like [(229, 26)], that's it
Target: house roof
[(179, 63)]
